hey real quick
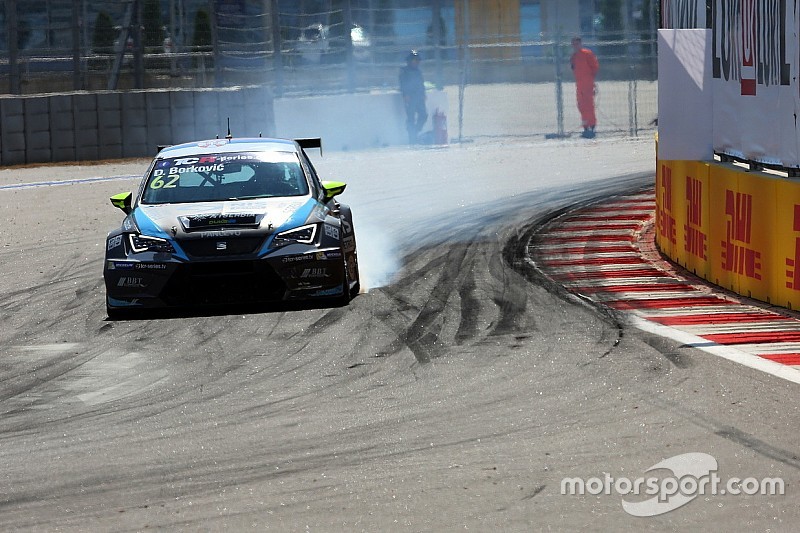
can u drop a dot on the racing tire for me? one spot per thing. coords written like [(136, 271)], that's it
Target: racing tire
[(344, 299), (347, 221), (117, 314)]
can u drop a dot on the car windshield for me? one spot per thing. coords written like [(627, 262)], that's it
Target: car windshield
[(230, 176)]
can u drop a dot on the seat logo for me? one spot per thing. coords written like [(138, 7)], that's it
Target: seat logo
[(222, 245)]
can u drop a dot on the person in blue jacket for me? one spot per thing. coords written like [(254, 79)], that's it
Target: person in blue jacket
[(412, 87)]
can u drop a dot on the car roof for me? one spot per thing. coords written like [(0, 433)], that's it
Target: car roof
[(222, 146)]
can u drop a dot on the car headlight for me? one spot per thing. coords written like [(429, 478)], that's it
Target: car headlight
[(143, 243), (301, 235)]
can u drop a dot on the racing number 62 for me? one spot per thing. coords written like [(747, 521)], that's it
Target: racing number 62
[(158, 182)]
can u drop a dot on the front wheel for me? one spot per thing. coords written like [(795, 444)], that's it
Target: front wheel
[(347, 294), (115, 313)]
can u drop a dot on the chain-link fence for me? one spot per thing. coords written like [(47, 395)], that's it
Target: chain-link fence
[(509, 68)]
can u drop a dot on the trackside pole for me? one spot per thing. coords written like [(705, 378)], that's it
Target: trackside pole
[(465, 59), (559, 92)]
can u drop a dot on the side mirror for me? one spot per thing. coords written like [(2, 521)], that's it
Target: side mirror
[(122, 201), (333, 188)]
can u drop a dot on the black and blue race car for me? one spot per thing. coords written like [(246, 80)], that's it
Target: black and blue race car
[(231, 221)]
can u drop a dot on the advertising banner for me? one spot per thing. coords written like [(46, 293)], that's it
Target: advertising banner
[(694, 184), (787, 242), (683, 14), (666, 225), (749, 246), (755, 87), (736, 228)]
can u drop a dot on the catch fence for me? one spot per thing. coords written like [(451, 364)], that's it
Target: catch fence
[(511, 79)]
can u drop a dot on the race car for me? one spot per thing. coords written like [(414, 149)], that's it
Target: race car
[(234, 220)]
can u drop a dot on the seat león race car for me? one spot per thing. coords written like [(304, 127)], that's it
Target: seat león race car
[(231, 221)]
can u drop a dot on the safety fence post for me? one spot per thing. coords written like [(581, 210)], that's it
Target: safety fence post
[(559, 85), (277, 44)]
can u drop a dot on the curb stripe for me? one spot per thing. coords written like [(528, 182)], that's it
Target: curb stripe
[(784, 358), (644, 287), (762, 337), (611, 274), (718, 318), (606, 253), (597, 261)]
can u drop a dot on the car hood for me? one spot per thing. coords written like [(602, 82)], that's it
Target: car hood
[(187, 221)]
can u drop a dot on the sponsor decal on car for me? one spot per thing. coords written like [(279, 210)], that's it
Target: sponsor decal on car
[(120, 265), (216, 220), (314, 273), (324, 256), (220, 234), (150, 266), (131, 283), (113, 242), (332, 231), (215, 142), (328, 292), (299, 258)]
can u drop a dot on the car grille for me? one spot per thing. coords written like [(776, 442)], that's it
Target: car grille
[(222, 246), (223, 282)]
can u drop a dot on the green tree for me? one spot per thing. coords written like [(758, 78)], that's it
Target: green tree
[(153, 25), (612, 28), (104, 34), (338, 32), (384, 19), (442, 33), (202, 40)]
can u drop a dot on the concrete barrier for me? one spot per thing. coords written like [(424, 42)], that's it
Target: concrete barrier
[(62, 129), (113, 124), (109, 125), (12, 131), (737, 228)]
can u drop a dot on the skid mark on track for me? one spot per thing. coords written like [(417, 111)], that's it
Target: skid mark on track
[(510, 297), (64, 374), (423, 335), (470, 309)]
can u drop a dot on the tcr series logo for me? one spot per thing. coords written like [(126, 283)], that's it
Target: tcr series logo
[(737, 256), (695, 240), (665, 222), (750, 43)]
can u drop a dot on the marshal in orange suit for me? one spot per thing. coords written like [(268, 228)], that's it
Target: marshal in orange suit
[(585, 67)]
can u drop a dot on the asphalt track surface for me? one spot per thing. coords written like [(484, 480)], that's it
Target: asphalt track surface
[(457, 393)]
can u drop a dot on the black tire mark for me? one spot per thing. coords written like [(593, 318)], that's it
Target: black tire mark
[(470, 309), (422, 335), (511, 298)]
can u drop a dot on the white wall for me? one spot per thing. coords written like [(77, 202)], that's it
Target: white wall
[(685, 106), (560, 16), (351, 121)]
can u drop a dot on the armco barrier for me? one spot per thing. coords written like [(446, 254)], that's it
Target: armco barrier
[(108, 125), (737, 228)]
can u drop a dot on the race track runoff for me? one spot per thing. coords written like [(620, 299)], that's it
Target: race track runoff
[(454, 394)]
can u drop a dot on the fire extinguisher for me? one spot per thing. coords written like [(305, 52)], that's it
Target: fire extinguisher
[(439, 127)]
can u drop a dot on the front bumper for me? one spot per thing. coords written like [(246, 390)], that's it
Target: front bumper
[(160, 280)]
